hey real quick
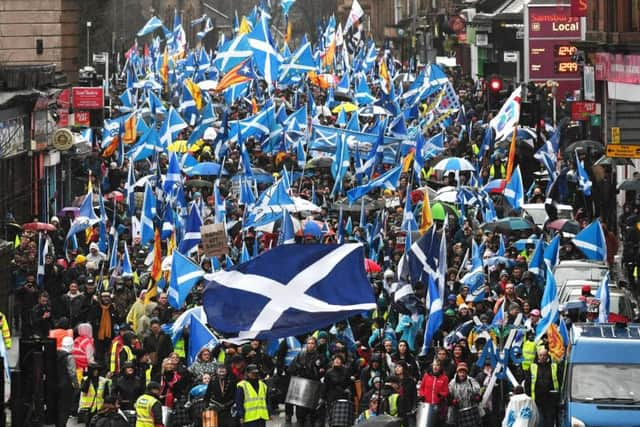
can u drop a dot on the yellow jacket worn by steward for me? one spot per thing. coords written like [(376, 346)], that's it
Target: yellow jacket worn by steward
[(252, 403), (148, 411)]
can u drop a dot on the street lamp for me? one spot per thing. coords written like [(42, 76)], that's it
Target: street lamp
[(88, 38)]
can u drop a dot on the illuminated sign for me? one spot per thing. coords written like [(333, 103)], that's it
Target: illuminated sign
[(564, 50), (565, 67)]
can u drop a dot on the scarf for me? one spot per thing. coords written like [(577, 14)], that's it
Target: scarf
[(104, 331)]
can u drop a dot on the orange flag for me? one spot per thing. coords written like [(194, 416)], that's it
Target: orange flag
[(130, 130), (556, 344), (426, 217)]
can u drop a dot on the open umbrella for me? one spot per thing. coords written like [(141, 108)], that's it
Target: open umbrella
[(208, 84), (200, 183), (205, 168), (382, 421), (370, 266), (373, 110), (613, 161), (454, 164), (348, 107), (448, 196), (630, 185), (69, 210), (39, 226), (319, 162), (509, 224), (440, 210), (585, 144), (311, 227), (564, 226)]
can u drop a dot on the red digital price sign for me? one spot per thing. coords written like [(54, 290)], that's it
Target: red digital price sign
[(563, 67), (564, 50)]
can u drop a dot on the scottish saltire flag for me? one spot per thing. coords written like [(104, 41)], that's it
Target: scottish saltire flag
[(591, 242), (192, 235), (266, 58), (171, 127), (362, 93), (498, 319), (434, 321), (340, 165), (168, 223), (221, 205), (286, 235), (155, 105), (514, 191), (602, 294), (43, 249), (152, 24), (552, 253), (148, 214), (583, 178), (508, 116), (173, 177), (246, 193), (549, 306), (305, 292), (423, 258), (409, 223), (113, 259), (86, 218), (387, 180), (537, 263), (184, 276), (244, 254), (232, 53), (475, 278), (199, 337), (127, 270), (300, 62)]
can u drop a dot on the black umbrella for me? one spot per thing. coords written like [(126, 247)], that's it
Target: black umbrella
[(630, 185), (509, 224), (200, 183), (585, 144)]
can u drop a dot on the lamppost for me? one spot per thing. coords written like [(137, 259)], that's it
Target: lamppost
[(88, 43)]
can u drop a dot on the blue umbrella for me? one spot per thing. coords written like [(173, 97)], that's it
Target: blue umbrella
[(454, 164), (205, 168), (259, 178), (312, 228), (522, 243)]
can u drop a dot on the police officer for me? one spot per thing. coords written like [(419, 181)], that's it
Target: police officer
[(148, 407)]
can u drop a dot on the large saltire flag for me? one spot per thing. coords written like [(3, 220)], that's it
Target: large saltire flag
[(254, 300)]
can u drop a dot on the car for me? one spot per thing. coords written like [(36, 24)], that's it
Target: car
[(538, 213), (621, 303), (600, 385), (579, 270), (569, 286)]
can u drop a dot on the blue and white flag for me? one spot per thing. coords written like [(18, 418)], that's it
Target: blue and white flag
[(514, 191), (287, 234), (147, 216), (475, 278), (537, 263), (244, 254), (552, 253), (86, 218), (591, 242), (388, 180), (232, 53), (409, 223), (340, 165), (434, 321), (43, 249), (199, 337), (173, 176), (184, 276), (171, 127), (192, 235), (423, 258), (266, 58), (363, 94), (300, 62), (549, 306), (583, 178), (113, 259), (152, 24), (602, 294), (127, 270), (304, 293)]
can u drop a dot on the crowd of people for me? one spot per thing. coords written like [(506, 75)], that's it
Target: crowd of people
[(117, 350)]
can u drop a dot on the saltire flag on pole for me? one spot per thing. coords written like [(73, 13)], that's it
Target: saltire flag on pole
[(549, 306), (199, 337), (305, 292), (514, 191), (388, 180), (552, 253), (591, 242), (434, 321), (602, 294), (184, 276)]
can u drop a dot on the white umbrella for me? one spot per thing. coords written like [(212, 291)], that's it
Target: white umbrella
[(447, 197), (454, 164), (208, 84)]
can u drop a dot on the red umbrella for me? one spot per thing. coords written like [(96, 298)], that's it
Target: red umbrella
[(371, 266), (117, 195), (39, 226)]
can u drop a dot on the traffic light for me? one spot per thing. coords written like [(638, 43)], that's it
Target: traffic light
[(494, 87)]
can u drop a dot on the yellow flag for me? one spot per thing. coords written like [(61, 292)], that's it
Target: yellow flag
[(556, 344), (287, 37), (407, 163), (171, 243), (245, 27), (195, 92), (426, 217)]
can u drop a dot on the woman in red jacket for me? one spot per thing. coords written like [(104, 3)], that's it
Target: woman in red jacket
[(434, 389)]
